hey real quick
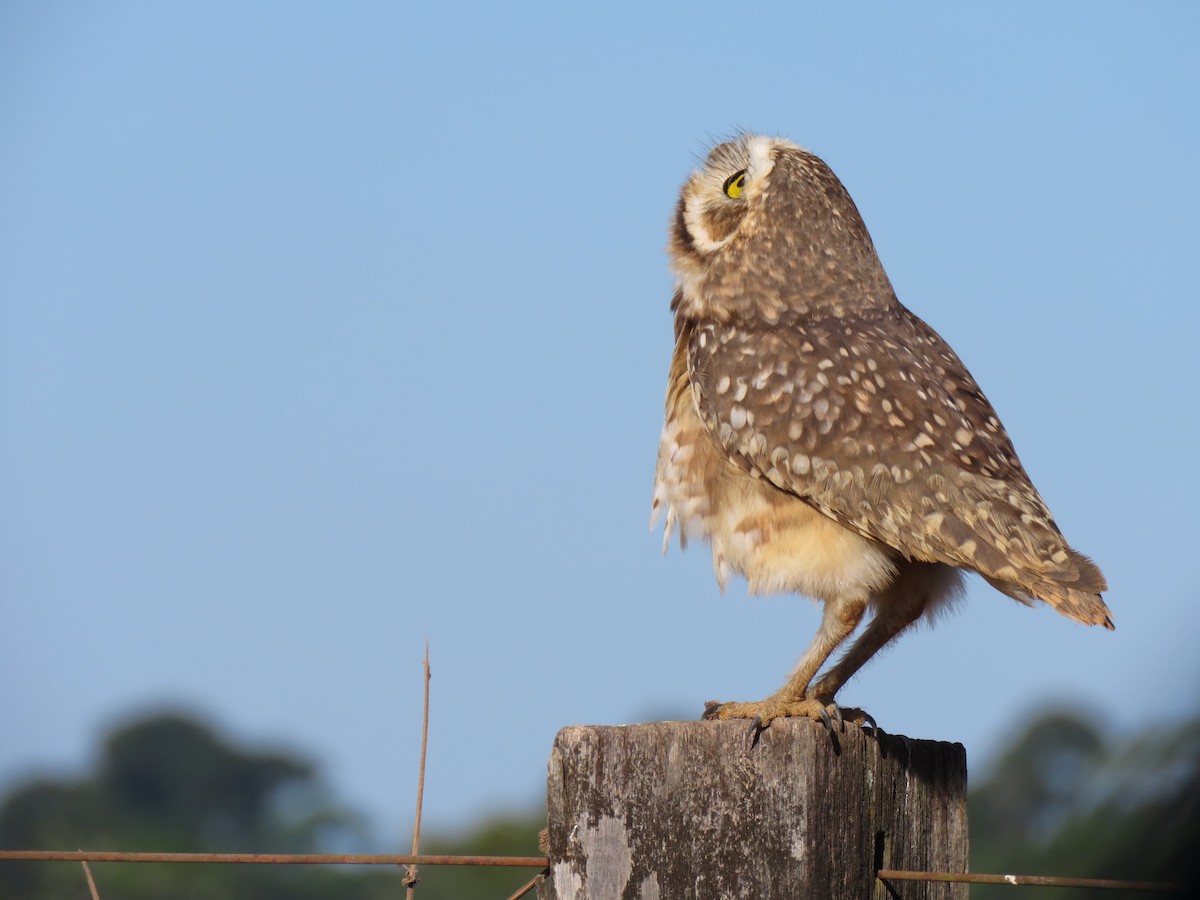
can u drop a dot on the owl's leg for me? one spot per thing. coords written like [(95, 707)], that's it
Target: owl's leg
[(916, 586), (838, 622)]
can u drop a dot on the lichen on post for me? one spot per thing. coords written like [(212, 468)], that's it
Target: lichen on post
[(695, 809)]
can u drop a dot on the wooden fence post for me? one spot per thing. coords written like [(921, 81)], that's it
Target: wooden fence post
[(674, 810)]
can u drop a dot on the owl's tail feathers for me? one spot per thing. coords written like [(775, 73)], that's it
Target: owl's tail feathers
[(1082, 606), (1073, 589)]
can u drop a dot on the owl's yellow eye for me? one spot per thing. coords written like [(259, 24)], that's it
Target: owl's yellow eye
[(734, 184)]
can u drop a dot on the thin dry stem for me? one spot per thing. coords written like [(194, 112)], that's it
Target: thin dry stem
[(529, 885), (410, 873), (91, 881)]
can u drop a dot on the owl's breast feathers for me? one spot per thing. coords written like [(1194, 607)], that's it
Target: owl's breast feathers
[(874, 421)]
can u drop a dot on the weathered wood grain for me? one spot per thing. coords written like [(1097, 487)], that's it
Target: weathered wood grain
[(677, 810)]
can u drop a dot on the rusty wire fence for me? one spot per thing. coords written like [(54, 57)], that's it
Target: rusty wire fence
[(541, 863)]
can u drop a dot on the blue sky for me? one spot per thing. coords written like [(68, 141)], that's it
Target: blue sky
[(329, 328)]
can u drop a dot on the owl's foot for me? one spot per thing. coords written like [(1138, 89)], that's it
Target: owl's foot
[(764, 712)]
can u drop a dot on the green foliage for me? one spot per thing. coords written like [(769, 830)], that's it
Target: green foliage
[(168, 783), (1067, 799)]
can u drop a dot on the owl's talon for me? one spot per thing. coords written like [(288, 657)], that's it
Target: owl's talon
[(756, 729), (852, 715), (826, 721)]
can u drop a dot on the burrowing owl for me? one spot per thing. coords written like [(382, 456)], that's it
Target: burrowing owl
[(823, 438)]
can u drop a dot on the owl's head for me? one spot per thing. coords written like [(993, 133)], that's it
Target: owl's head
[(764, 226)]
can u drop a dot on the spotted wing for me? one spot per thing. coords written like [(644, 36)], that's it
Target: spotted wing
[(877, 423)]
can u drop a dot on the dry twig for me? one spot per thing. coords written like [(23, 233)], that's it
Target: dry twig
[(529, 885), (91, 881), (410, 873)]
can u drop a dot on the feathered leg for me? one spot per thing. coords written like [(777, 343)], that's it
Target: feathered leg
[(916, 586), (838, 622)]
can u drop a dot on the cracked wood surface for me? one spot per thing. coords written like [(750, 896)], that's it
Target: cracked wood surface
[(691, 809)]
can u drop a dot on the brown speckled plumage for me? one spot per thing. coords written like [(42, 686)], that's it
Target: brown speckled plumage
[(823, 438)]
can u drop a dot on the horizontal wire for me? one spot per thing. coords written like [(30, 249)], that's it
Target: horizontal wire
[(301, 859), (1043, 880), (531, 862)]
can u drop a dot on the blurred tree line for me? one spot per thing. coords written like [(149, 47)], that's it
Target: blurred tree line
[(169, 783), (1064, 798)]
